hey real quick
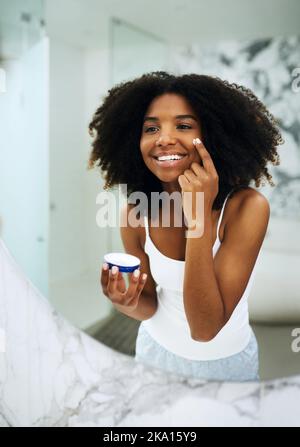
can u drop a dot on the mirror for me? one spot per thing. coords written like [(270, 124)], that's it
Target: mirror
[(56, 66)]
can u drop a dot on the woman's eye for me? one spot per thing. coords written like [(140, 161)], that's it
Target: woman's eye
[(186, 126)]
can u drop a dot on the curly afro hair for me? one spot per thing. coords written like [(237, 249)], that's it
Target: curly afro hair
[(240, 134)]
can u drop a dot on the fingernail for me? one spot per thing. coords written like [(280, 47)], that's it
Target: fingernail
[(105, 266), (136, 273), (144, 276), (197, 141), (114, 270)]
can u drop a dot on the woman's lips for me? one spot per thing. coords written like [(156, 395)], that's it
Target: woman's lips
[(169, 163)]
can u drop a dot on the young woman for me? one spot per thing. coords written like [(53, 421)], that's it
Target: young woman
[(193, 304)]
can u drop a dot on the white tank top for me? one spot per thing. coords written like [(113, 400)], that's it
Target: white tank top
[(169, 326)]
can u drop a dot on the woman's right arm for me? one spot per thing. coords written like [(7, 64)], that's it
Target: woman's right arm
[(131, 239)]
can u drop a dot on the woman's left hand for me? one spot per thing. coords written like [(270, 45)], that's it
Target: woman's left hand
[(199, 179)]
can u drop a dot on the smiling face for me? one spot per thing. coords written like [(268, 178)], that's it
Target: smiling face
[(170, 125)]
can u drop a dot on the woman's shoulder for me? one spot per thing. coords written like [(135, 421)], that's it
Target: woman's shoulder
[(246, 197), (249, 194)]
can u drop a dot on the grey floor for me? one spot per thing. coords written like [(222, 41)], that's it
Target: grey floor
[(119, 333), (276, 357)]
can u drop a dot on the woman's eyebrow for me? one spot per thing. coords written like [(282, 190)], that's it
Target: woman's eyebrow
[(154, 118)]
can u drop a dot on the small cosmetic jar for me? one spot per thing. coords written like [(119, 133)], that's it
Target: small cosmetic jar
[(125, 262)]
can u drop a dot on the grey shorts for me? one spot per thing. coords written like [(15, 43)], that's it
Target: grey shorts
[(240, 367)]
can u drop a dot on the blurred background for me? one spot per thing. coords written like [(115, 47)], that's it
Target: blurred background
[(58, 58)]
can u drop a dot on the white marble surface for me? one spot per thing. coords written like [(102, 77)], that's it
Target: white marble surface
[(52, 374)]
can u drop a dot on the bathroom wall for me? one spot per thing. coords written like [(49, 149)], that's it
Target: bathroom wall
[(66, 157), (97, 82), (78, 78)]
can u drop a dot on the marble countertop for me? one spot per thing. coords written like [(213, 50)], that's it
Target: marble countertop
[(53, 374)]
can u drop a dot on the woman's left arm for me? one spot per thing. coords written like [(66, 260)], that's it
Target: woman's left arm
[(213, 286)]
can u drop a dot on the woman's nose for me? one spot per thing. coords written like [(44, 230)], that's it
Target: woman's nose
[(165, 139)]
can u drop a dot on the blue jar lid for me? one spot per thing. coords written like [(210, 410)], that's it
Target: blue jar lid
[(125, 262)]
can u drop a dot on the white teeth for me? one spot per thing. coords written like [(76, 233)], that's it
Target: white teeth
[(170, 157)]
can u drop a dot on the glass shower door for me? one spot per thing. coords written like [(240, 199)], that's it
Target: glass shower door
[(133, 53)]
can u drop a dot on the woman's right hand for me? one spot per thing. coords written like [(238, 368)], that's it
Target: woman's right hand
[(114, 286)]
